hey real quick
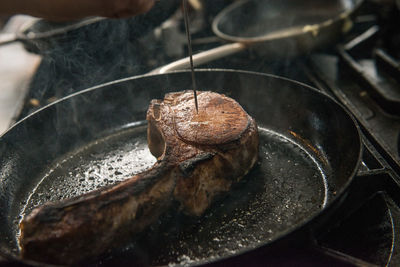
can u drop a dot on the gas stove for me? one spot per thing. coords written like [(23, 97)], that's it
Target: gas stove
[(361, 73)]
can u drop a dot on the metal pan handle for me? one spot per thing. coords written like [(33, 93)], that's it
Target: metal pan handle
[(7, 38), (202, 57)]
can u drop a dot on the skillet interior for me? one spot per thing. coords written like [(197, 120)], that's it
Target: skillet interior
[(310, 149)]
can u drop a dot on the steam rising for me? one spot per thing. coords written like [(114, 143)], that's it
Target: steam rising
[(104, 51)]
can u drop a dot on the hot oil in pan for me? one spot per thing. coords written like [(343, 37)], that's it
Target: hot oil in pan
[(281, 191), (103, 162), (284, 189)]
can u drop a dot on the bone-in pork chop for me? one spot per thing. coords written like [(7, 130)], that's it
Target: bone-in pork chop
[(199, 156)]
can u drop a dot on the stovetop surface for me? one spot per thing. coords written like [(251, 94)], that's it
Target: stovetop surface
[(361, 73)]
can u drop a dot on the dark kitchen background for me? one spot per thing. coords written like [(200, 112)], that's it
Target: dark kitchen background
[(361, 71)]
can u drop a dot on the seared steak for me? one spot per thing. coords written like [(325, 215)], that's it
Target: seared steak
[(199, 155)]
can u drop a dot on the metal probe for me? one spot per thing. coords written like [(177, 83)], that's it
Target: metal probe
[(186, 18)]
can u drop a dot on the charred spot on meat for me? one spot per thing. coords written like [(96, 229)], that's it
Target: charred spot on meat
[(199, 156)]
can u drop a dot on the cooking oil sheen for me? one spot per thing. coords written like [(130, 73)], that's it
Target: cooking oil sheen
[(284, 188)]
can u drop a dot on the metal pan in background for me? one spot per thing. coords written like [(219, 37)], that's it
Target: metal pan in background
[(40, 35), (310, 149), (38, 32), (276, 29)]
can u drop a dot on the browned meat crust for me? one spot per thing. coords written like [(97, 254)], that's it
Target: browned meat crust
[(199, 156)]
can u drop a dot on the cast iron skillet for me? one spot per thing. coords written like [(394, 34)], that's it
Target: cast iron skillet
[(309, 152)]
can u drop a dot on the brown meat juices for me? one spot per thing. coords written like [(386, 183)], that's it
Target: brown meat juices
[(199, 156)]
